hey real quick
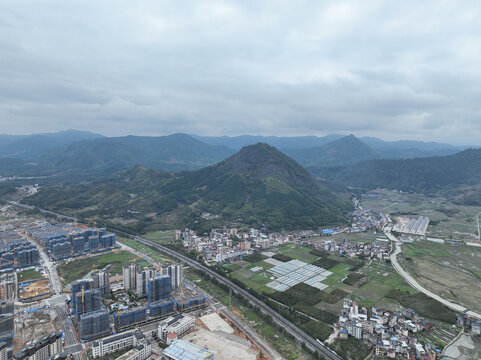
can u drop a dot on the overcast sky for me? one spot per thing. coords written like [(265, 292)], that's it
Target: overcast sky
[(392, 69)]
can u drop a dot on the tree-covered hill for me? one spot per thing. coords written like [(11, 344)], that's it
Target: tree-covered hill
[(458, 175), (344, 151), (256, 185)]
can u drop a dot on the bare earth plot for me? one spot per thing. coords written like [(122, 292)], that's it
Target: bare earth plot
[(224, 347)]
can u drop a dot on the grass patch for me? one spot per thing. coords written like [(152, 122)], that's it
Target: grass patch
[(77, 269), (352, 278), (161, 237), (282, 257), (303, 297), (351, 348), (29, 275)]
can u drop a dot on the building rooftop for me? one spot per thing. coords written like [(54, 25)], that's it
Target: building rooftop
[(183, 350)]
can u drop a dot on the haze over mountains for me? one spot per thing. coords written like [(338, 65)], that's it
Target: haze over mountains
[(142, 182), (73, 151)]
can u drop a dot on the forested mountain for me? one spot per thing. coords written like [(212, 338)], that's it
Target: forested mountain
[(407, 149), (280, 142), (344, 151), (173, 153), (27, 146), (256, 185), (458, 175)]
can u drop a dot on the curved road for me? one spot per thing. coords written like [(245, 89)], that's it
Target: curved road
[(411, 281)]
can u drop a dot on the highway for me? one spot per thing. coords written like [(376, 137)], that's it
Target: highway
[(311, 343), (300, 335), (411, 281), (479, 228)]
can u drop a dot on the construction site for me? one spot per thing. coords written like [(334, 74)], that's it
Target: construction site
[(148, 295), (34, 323), (34, 290)]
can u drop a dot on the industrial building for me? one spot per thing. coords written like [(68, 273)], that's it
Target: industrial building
[(43, 349), (178, 325), (181, 350), (94, 325), (117, 342)]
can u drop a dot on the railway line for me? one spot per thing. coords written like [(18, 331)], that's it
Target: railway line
[(311, 343)]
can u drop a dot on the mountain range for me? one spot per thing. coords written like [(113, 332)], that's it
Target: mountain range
[(458, 175), (73, 152), (255, 186)]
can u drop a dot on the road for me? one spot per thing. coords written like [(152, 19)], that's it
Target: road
[(312, 344), (479, 228), (411, 281), (266, 348), (298, 334), (72, 345)]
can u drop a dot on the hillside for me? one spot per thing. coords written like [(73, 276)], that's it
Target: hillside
[(256, 185), (28, 146), (406, 149), (173, 153), (457, 175), (280, 142), (344, 151)]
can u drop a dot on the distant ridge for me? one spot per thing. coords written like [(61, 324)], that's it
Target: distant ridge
[(257, 185), (344, 151), (457, 175), (27, 146)]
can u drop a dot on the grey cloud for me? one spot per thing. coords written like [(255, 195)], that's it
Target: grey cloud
[(404, 70)]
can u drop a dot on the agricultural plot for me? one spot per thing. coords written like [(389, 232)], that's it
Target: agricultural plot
[(295, 272), (161, 236), (452, 271), (448, 220)]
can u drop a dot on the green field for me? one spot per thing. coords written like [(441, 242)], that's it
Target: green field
[(160, 236), (144, 249), (77, 269), (451, 271), (28, 275)]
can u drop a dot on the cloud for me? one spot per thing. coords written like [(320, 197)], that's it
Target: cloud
[(398, 71)]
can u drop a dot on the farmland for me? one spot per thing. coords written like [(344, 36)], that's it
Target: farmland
[(449, 221), (452, 271)]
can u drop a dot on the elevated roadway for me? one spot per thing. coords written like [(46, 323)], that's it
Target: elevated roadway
[(311, 343)]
